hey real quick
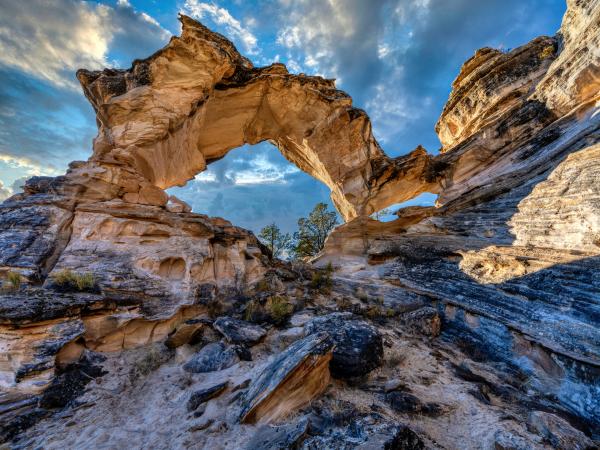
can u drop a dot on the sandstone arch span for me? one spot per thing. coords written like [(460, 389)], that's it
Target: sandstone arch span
[(196, 99)]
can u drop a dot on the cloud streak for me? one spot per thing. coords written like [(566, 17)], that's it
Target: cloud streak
[(51, 40)]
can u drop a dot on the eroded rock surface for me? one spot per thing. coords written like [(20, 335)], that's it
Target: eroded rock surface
[(475, 312)]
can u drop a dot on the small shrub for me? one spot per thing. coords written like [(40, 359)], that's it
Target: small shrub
[(253, 311), (148, 362), (378, 311), (85, 281), (69, 280), (321, 279), (14, 280), (343, 303), (547, 52), (395, 359), (262, 285), (279, 309), (361, 295), (374, 312)]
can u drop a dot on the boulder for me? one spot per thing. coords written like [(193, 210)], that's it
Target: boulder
[(204, 395), (504, 440), (287, 436), (405, 439), (290, 381), (212, 357), (558, 432), (239, 331), (358, 345)]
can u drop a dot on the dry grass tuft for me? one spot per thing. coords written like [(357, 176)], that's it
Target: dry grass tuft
[(76, 281)]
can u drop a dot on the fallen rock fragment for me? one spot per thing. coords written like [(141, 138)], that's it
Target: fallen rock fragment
[(238, 331), (358, 345), (393, 385), (503, 440), (204, 395), (212, 357), (423, 321), (287, 436), (558, 432), (290, 381), (404, 402)]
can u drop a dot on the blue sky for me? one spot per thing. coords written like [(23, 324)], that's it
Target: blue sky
[(396, 58)]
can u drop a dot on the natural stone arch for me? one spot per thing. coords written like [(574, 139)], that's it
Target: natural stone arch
[(197, 98)]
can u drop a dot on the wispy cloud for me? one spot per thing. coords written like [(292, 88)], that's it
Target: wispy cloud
[(222, 17), (30, 166), (51, 40)]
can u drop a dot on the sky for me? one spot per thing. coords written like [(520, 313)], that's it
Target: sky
[(396, 58)]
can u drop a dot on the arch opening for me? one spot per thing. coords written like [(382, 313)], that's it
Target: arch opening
[(396, 210), (253, 186)]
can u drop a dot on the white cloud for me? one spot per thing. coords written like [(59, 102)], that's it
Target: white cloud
[(4, 192), (51, 40), (29, 167), (46, 40), (223, 17), (263, 172)]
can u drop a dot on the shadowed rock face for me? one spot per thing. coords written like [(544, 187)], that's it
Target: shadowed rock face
[(504, 268)]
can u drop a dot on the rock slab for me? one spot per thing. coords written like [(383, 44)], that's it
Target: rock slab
[(358, 345), (239, 331), (212, 357), (290, 381)]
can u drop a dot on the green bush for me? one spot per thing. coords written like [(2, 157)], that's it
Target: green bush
[(68, 279), (547, 52), (321, 279), (14, 280), (279, 309)]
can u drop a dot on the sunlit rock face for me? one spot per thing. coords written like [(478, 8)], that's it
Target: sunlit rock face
[(574, 78), (489, 85), (506, 263), (196, 99)]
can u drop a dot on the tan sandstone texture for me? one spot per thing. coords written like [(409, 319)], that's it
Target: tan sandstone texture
[(471, 324)]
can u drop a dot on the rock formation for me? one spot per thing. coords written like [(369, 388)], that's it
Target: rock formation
[(483, 311)]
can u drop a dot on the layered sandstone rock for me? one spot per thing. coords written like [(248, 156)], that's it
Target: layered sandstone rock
[(506, 264), (196, 99), (510, 254)]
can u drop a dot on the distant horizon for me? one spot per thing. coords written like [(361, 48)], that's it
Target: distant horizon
[(397, 59)]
